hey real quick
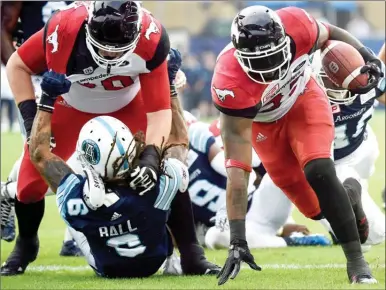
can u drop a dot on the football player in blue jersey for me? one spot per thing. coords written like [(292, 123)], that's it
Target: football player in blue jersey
[(121, 231), (356, 150), (20, 20)]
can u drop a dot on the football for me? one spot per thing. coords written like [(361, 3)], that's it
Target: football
[(342, 64)]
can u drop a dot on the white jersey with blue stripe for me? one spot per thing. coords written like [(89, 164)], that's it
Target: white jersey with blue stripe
[(351, 122), (128, 229), (206, 186)]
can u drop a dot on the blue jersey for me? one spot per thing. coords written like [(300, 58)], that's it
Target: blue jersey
[(127, 235), (207, 187), (351, 122)]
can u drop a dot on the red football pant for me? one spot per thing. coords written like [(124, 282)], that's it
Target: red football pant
[(305, 133), (66, 124)]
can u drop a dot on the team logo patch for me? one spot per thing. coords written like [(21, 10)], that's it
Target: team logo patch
[(91, 151), (222, 94), (53, 39)]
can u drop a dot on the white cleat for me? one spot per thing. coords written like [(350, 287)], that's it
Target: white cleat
[(172, 265), (363, 279)]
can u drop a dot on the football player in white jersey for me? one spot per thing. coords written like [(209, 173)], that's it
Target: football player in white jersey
[(355, 144)]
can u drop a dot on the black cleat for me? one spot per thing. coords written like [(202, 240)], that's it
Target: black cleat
[(197, 264), (359, 272), (354, 190), (70, 249), (24, 253)]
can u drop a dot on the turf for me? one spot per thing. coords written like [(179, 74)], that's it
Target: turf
[(289, 268)]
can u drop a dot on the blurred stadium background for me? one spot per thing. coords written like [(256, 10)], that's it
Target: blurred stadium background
[(201, 29)]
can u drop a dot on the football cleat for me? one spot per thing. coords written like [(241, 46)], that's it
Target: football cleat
[(70, 249), (363, 279), (172, 265), (24, 253), (7, 215), (197, 264), (8, 233), (299, 239)]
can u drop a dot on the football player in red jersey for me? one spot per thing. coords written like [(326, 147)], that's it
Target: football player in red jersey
[(114, 54), (262, 86)]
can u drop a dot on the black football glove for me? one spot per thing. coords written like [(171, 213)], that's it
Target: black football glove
[(144, 177), (238, 252), (375, 69), (53, 85)]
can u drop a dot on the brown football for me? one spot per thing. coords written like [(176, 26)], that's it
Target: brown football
[(342, 64)]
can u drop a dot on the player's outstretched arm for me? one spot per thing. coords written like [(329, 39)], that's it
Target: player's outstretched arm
[(236, 133), (51, 167)]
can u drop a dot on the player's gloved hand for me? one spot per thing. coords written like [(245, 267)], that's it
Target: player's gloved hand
[(144, 177), (375, 68), (52, 85), (238, 252), (174, 64)]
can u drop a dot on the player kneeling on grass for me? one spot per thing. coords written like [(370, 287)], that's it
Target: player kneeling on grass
[(122, 231)]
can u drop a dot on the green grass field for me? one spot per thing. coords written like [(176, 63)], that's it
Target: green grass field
[(289, 268)]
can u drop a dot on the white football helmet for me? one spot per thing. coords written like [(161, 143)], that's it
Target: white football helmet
[(102, 141), (335, 94), (113, 27)]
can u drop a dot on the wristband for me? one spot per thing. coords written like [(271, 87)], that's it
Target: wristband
[(237, 229), (173, 91), (28, 111), (150, 157), (238, 164)]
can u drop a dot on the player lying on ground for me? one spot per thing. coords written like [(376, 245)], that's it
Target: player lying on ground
[(263, 87), (193, 261), (18, 24), (121, 231)]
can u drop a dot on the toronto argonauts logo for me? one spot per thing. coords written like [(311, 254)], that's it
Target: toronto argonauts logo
[(91, 151)]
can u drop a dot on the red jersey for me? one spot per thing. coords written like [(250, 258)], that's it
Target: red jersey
[(93, 89), (235, 94)]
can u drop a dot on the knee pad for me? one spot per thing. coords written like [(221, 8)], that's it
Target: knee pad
[(320, 170)]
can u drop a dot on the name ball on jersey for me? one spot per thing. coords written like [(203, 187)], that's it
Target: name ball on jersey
[(342, 64)]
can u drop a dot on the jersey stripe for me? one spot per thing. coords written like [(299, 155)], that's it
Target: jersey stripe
[(118, 142)]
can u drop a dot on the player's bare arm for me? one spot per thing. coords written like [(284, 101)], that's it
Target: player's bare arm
[(51, 167), (10, 11), (236, 133), (178, 133)]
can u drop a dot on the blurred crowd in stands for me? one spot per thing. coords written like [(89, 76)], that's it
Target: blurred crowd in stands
[(200, 56)]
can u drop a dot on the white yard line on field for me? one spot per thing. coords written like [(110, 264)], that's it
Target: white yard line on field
[(55, 268)]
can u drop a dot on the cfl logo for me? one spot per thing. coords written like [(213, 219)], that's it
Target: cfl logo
[(333, 66)]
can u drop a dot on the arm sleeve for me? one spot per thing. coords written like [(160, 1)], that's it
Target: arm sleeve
[(200, 138), (69, 199), (32, 53)]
